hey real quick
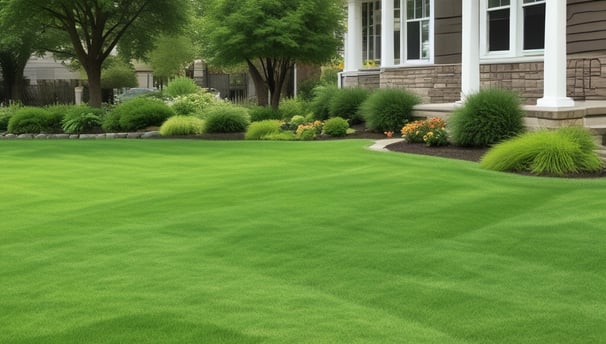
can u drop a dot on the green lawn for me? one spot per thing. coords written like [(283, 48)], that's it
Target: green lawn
[(165, 241)]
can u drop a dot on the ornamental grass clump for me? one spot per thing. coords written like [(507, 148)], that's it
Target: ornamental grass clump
[(346, 103), (226, 119), (387, 110), (561, 152), (320, 104), (431, 132), (182, 126), (487, 117), (181, 86), (259, 130)]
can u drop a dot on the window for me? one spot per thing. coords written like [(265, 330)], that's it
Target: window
[(418, 14), (371, 32), (512, 27), (534, 24)]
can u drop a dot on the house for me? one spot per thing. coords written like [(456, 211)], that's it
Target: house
[(552, 52)]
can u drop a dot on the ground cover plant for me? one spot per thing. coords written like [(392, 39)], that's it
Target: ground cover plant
[(180, 241)]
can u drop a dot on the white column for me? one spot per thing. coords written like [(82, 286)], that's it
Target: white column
[(470, 59), (353, 39), (554, 93), (387, 31)]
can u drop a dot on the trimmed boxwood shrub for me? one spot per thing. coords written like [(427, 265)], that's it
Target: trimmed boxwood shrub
[(137, 114), (258, 130), (226, 119), (346, 102), (336, 127), (31, 120), (56, 113), (182, 125), (565, 151), (487, 117), (82, 119), (320, 104), (181, 86), (388, 109), (262, 113)]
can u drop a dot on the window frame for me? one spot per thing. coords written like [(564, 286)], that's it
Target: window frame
[(516, 31), (404, 60)]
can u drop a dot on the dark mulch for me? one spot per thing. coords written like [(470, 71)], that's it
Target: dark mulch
[(452, 152)]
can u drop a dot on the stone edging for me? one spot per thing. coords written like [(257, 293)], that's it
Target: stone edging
[(135, 135)]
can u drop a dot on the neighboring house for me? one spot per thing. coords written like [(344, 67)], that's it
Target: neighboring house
[(553, 52)]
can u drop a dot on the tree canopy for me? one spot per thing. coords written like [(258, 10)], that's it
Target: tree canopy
[(270, 36), (90, 30)]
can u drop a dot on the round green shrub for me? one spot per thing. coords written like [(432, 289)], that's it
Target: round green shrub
[(111, 122), (182, 125), (258, 130), (565, 151), (55, 113), (336, 126), (388, 109), (137, 114), (487, 117), (29, 120), (226, 119), (320, 104), (194, 103), (181, 86), (297, 120), (346, 102), (262, 113)]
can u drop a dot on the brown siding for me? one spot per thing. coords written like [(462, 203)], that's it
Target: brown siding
[(447, 39), (586, 27)]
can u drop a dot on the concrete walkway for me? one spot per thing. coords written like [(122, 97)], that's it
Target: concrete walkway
[(380, 145)]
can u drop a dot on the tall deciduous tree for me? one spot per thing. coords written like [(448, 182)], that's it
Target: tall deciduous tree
[(171, 55), (270, 36), (92, 29)]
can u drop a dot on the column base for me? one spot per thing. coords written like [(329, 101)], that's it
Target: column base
[(555, 102)]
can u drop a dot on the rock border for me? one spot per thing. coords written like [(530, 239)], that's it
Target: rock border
[(106, 136)]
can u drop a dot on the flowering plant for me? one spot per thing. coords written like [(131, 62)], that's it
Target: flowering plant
[(309, 131), (431, 131)]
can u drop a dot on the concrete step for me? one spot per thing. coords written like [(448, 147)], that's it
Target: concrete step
[(601, 152)]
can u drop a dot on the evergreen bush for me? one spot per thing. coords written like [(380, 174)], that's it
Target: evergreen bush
[(388, 109), (226, 119), (320, 104), (82, 119), (29, 120), (345, 103), (137, 114), (487, 117), (262, 113)]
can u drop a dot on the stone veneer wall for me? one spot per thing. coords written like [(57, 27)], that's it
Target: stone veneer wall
[(442, 83), (434, 84), (365, 79)]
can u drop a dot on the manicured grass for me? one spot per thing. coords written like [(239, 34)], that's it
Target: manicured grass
[(290, 242)]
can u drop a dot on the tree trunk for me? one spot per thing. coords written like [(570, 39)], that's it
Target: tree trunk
[(93, 72), (260, 85), (12, 71)]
